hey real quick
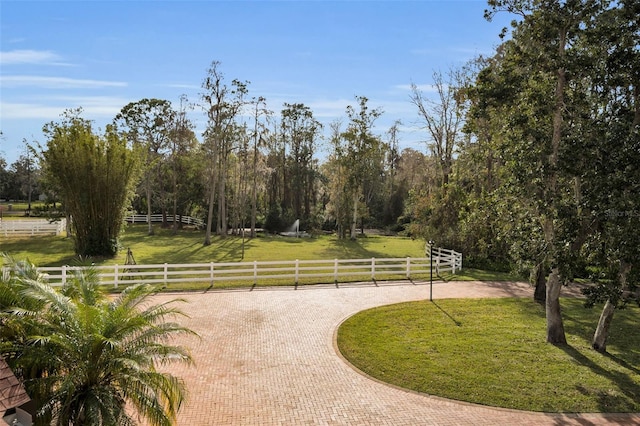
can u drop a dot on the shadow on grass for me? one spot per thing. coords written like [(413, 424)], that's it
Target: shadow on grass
[(608, 401), (622, 363), (227, 249), (455, 321), (348, 249), (232, 247), (71, 260)]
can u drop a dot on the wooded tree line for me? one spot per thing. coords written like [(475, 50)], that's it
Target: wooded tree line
[(554, 121), (20, 180), (251, 168), (531, 159)]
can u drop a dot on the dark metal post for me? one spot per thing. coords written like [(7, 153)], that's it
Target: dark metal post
[(431, 271)]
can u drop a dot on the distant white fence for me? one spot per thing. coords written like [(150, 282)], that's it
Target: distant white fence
[(28, 227), (142, 218), (255, 272), (445, 260)]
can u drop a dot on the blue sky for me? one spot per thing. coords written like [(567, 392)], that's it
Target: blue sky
[(101, 55)]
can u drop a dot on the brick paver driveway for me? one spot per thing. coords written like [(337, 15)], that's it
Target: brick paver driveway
[(267, 357)]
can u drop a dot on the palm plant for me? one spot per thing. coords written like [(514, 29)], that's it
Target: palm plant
[(89, 358)]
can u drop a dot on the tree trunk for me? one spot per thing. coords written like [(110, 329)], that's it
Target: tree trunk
[(207, 234), (254, 195), (175, 205), (354, 219), (636, 102), (69, 229), (599, 342), (222, 207), (165, 222), (540, 281), (555, 327), (150, 232)]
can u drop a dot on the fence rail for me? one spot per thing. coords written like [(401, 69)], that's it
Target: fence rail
[(142, 218), (260, 272), (22, 227), (27, 227)]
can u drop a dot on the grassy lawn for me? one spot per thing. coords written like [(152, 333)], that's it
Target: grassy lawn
[(187, 247), (492, 352), (18, 209)]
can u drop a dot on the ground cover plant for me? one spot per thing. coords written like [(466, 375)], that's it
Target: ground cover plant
[(492, 351)]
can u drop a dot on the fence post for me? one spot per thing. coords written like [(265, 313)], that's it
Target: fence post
[(373, 268), (408, 267), (297, 270), (115, 276), (165, 273), (64, 274), (255, 272), (211, 275), (431, 270), (335, 271)]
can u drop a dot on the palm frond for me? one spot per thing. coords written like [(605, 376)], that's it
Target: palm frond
[(91, 355)]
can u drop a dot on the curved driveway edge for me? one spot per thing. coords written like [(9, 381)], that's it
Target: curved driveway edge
[(267, 357)]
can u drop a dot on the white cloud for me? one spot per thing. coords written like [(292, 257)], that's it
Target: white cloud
[(26, 110), (181, 86), (329, 108), (45, 57), (92, 106), (56, 82), (97, 106), (398, 108), (421, 87)]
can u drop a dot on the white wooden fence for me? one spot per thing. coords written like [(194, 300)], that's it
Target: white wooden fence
[(142, 218), (445, 260), (27, 227), (265, 272)]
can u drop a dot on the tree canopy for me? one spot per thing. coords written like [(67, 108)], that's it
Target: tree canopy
[(95, 176)]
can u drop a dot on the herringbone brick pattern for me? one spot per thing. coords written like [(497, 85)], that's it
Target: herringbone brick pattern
[(267, 357)]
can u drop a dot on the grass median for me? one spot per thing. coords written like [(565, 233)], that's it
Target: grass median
[(493, 352)]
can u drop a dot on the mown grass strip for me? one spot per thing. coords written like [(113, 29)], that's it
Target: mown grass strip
[(187, 247), (493, 352)]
